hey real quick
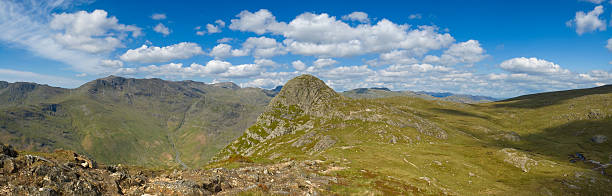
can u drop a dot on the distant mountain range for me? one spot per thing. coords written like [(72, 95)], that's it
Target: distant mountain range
[(379, 92), (132, 121)]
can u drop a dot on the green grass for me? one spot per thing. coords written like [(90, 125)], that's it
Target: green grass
[(470, 161)]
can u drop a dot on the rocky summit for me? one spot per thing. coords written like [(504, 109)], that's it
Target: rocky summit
[(311, 140)]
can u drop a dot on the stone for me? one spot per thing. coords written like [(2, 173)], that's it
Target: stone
[(8, 165), (599, 139), (323, 144), (518, 159)]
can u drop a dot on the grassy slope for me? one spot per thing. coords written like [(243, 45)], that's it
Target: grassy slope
[(471, 161)]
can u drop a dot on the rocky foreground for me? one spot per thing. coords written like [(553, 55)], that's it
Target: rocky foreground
[(67, 173)]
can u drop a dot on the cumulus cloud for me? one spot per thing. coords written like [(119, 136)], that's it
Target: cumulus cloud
[(161, 28), (224, 50), (394, 57), (588, 22), (213, 68), (25, 25), (609, 45), (298, 65), (266, 62), (211, 28), (111, 63), (92, 32), (357, 16), (344, 72), (468, 52), (158, 16), (263, 47), (10, 75), (146, 54), (258, 22), (263, 83), (532, 66), (321, 63), (324, 36)]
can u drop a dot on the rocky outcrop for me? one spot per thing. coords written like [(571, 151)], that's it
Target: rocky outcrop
[(308, 93), (62, 173)]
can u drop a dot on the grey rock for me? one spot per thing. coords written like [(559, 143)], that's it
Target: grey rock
[(323, 144), (599, 139)]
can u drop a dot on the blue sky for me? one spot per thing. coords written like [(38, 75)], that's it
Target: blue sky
[(494, 48)]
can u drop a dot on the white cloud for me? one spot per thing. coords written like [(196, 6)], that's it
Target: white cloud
[(92, 32), (24, 24), (588, 22), (146, 54), (321, 63), (609, 45), (213, 68), (468, 52), (532, 66), (394, 57), (323, 36), (242, 71), (257, 22), (10, 75), (225, 50), (161, 28), (263, 47), (111, 63), (344, 72), (263, 83), (211, 28), (158, 16), (216, 67), (357, 16), (298, 65), (594, 1), (415, 16), (266, 62), (225, 40)]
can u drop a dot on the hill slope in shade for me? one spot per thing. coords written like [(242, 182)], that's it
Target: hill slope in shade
[(148, 122), (408, 145)]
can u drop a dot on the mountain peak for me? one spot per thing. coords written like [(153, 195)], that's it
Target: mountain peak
[(307, 92)]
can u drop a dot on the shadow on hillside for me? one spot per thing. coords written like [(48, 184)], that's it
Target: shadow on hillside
[(550, 98), (458, 113), (567, 139)]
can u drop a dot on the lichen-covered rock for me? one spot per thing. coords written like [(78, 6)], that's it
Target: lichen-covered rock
[(518, 159)]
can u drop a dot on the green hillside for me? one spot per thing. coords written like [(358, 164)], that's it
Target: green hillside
[(545, 144), (148, 122)]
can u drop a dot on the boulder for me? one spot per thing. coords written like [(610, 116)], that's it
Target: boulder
[(518, 159), (599, 139)]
